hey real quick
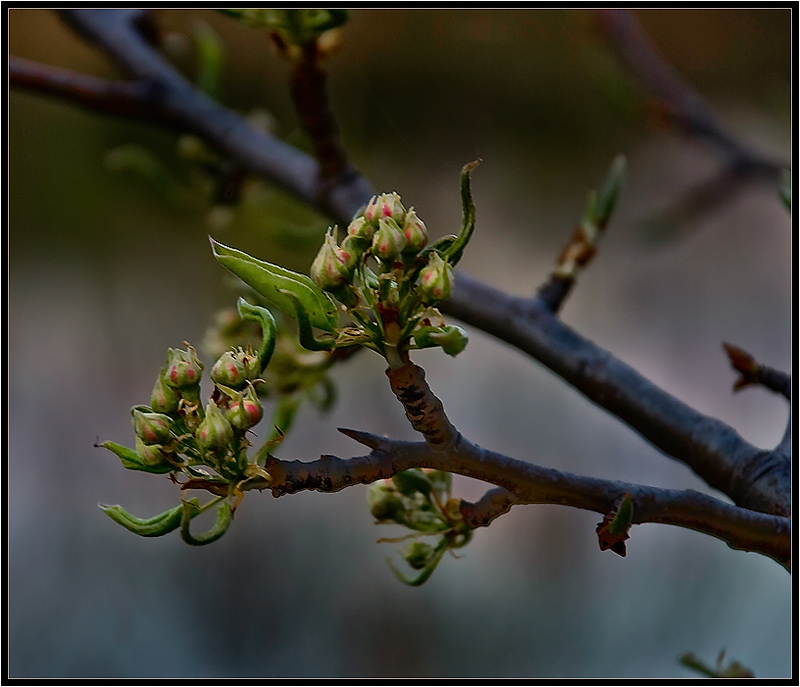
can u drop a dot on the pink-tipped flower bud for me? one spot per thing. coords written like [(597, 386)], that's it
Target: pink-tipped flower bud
[(229, 370), (361, 230), (151, 454), (435, 279), (415, 232), (385, 206), (333, 265), (150, 427), (164, 399), (389, 240), (245, 411), (183, 369), (214, 432)]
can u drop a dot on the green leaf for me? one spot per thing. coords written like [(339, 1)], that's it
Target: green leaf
[(305, 333), (273, 282), (158, 525), (130, 459), (455, 250), (224, 518), (269, 329)]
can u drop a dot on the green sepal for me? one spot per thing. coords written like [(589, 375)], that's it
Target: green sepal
[(157, 526), (413, 480), (131, 460), (224, 518), (455, 250), (427, 571), (305, 333), (269, 329), (274, 282)]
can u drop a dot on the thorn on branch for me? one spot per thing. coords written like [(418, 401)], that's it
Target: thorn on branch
[(372, 441), (751, 372)]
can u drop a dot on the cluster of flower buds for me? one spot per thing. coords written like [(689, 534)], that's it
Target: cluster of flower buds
[(420, 500), (384, 274), (177, 434)]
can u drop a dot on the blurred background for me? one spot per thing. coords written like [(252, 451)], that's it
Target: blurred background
[(109, 267)]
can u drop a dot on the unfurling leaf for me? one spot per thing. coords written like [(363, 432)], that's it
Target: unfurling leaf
[(133, 461), (612, 532), (158, 525), (273, 282)]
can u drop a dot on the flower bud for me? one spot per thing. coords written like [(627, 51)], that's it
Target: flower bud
[(152, 455), (360, 230), (415, 232), (384, 503), (183, 369), (229, 370), (418, 554), (214, 432), (164, 399), (151, 428), (245, 411), (389, 241), (435, 279), (452, 339), (333, 265), (385, 206)]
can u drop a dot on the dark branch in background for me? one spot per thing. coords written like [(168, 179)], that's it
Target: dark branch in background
[(690, 113), (310, 97), (177, 98), (755, 479)]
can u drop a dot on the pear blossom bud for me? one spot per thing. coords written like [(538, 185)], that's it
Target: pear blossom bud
[(452, 339), (386, 205), (389, 240), (151, 454), (333, 265), (384, 503), (229, 370), (360, 229), (151, 428), (164, 399), (183, 369), (415, 232), (435, 279), (244, 411), (214, 432), (418, 554)]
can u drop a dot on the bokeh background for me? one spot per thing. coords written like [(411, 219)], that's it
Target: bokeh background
[(107, 270)]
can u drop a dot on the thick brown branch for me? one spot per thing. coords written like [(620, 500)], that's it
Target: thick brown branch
[(423, 409), (524, 482)]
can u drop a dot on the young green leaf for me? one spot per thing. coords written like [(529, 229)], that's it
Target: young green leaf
[(224, 517), (158, 525), (455, 250), (132, 461), (269, 330), (273, 282)]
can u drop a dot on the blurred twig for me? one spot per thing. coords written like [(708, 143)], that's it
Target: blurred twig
[(691, 114)]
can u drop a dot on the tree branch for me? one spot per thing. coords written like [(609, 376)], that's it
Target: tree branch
[(754, 479), (751, 477), (523, 482)]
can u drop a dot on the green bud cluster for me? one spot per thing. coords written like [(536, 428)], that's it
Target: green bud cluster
[(205, 443), (383, 275), (420, 500)]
